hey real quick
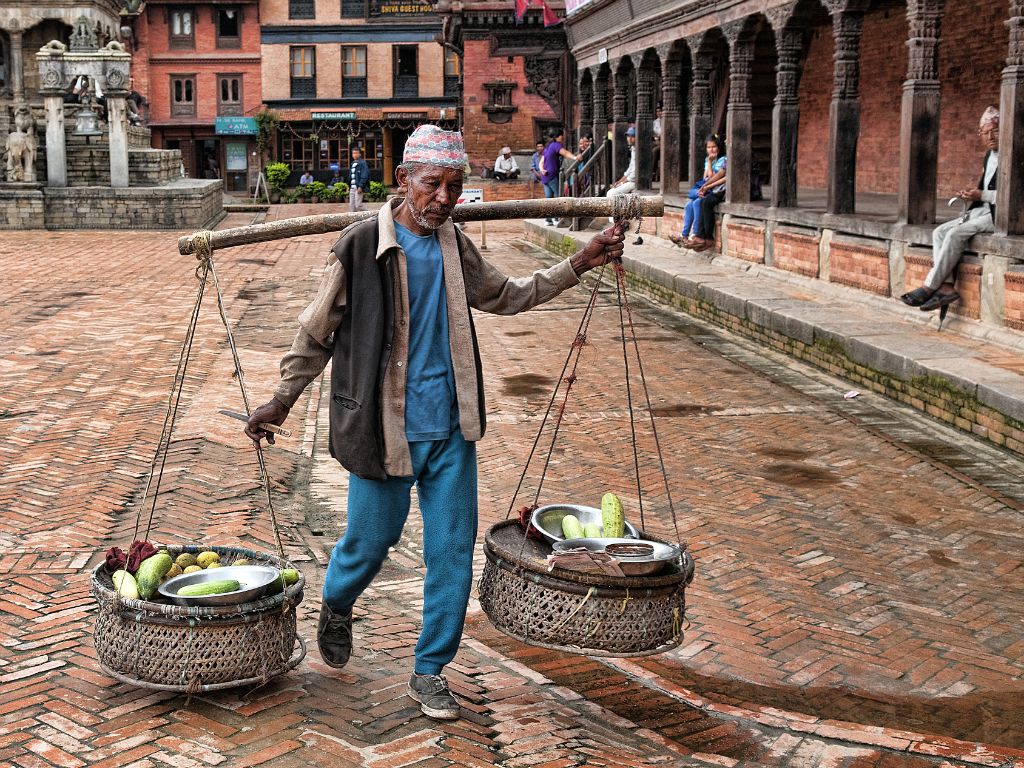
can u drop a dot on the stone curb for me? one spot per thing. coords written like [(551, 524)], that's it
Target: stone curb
[(965, 376)]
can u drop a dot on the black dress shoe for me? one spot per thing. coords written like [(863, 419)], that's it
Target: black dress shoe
[(334, 636), (939, 300), (916, 297)]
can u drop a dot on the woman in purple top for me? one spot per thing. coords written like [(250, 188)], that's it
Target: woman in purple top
[(551, 163)]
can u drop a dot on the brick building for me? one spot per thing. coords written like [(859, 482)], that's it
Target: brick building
[(341, 73), (198, 66), (855, 118), (517, 79)]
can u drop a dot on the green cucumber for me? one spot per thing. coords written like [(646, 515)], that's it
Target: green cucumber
[(571, 527), (204, 588)]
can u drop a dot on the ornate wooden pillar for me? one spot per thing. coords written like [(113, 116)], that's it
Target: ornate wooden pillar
[(786, 111), (844, 111), (585, 88), (645, 81), (620, 122), (600, 118), (671, 124), (739, 119), (1010, 197), (700, 109), (919, 117)]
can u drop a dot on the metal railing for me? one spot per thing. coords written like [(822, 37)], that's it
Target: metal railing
[(586, 181)]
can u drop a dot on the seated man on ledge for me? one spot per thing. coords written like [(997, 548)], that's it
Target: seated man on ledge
[(949, 239), (505, 166)]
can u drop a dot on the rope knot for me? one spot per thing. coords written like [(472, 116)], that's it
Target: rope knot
[(202, 243)]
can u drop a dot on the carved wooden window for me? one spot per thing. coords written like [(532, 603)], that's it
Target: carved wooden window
[(229, 95), (181, 27), (406, 72), (452, 68), (303, 71), (183, 95), (229, 27), (301, 9), (499, 106), (353, 71)]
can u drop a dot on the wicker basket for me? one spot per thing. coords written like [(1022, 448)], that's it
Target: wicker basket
[(579, 612), (195, 649)]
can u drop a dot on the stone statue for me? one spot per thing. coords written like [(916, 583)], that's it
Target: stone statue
[(21, 147)]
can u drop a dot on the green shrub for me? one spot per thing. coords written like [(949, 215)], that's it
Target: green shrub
[(339, 191), (277, 175), (317, 189), (377, 193)]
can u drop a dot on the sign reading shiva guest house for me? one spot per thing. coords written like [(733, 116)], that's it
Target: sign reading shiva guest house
[(399, 8), (235, 126)]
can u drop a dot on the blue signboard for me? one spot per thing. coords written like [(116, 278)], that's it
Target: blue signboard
[(235, 126)]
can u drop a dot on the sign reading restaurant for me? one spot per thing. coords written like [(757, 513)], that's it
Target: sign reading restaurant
[(332, 115)]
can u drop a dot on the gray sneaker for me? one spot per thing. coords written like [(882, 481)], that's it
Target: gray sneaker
[(334, 636), (436, 701)]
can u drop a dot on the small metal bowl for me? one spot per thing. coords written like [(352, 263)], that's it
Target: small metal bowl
[(254, 581), (632, 565), (548, 520)]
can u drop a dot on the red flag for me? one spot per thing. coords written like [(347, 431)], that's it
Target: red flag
[(550, 17), (521, 9)]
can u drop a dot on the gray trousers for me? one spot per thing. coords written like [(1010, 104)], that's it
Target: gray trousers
[(948, 241), (355, 199)]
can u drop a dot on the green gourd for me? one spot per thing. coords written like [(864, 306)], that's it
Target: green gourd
[(151, 573), (571, 527), (611, 516), (218, 587)]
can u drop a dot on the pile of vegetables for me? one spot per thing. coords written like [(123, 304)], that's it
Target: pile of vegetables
[(613, 522)]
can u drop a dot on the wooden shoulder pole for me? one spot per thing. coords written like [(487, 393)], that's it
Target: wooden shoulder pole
[(622, 207)]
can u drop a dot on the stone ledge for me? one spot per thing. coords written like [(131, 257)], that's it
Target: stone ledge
[(877, 343)]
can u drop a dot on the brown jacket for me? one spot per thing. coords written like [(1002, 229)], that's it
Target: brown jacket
[(470, 281)]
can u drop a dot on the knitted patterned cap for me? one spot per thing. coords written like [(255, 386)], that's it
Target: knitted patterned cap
[(434, 146), (989, 116)]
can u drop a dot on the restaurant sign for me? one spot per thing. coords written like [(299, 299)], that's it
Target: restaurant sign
[(337, 116), (405, 115)]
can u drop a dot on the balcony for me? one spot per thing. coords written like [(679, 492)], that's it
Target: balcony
[(406, 87), (303, 87)]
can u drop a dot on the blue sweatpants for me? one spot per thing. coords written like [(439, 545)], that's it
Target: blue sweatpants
[(444, 473)]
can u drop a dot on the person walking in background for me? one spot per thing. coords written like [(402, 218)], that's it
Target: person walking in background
[(358, 180), (949, 239), (505, 167), (551, 164), (704, 196)]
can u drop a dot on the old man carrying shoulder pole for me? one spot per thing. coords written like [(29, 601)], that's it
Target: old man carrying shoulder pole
[(393, 315)]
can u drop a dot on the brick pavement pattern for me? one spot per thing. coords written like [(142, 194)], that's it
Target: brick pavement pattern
[(856, 603)]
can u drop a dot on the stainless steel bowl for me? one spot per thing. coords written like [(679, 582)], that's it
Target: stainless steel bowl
[(254, 581), (631, 565), (548, 520)]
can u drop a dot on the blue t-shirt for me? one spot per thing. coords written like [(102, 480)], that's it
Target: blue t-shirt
[(431, 406), (552, 161)]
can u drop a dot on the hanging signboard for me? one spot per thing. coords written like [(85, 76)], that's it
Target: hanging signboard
[(337, 116), (235, 126), (399, 8)]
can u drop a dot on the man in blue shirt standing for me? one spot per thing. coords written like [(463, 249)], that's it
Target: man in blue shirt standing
[(359, 180)]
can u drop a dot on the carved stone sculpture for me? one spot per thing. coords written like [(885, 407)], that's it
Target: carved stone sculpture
[(21, 147)]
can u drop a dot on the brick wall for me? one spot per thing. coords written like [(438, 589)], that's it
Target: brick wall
[(746, 241), (968, 285), (485, 139), (972, 54), (1013, 312), (796, 251), (21, 207), (506, 190), (859, 263)]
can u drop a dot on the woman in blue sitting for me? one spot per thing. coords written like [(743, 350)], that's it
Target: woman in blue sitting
[(705, 195)]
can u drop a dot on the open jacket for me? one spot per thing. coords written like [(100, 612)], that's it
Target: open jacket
[(360, 318), (988, 192)]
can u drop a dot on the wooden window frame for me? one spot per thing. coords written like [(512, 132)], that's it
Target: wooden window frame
[(230, 108), (292, 78), (183, 108), (356, 84), (228, 41), (180, 41)]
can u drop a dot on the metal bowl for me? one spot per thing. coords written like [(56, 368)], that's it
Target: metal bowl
[(642, 565), (254, 581), (548, 520)]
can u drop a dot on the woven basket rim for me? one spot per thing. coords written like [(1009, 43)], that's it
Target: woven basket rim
[(147, 609), (560, 577)]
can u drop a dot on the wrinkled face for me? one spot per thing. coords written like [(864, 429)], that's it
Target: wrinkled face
[(990, 135), (430, 193), (712, 149)]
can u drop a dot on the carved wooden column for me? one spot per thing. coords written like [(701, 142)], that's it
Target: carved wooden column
[(739, 119), (620, 122), (671, 125), (919, 117), (17, 66), (786, 111), (700, 109), (1010, 195), (601, 121), (585, 88), (844, 111), (645, 80)]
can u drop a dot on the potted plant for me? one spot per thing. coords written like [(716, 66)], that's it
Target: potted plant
[(340, 191), (377, 193), (317, 190), (277, 176)]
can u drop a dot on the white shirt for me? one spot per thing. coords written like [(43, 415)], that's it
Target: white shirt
[(505, 164), (656, 127), (630, 173)]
